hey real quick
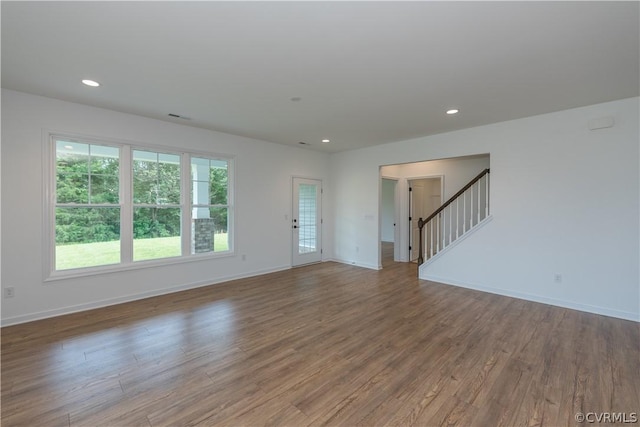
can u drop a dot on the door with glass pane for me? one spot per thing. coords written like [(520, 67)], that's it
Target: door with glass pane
[(306, 221)]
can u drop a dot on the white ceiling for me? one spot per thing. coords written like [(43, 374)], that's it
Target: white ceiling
[(366, 72)]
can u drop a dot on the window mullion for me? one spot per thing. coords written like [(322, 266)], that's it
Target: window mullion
[(231, 203), (89, 176), (185, 201), (51, 172), (126, 205)]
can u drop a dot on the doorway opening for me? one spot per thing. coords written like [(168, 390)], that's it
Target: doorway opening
[(389, 219), (448, 175)]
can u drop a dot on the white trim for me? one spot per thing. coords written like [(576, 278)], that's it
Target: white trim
[(231, 204), (126, 209), (119, 300), (102, 140), (441, 176), (185, 200), (126, 205), (134, 265), (626, 315), (48, 205), (187, 219), (396, 218), (355, 263)]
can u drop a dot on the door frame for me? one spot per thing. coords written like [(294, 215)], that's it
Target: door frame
[(396, 220), (319, 222)]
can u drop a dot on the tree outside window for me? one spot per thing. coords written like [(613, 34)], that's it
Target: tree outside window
[(97, 202)]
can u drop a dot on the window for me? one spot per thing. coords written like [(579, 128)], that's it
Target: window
[(209, 205), (156, 205), (116, 204), (87, 207), (307, 196)]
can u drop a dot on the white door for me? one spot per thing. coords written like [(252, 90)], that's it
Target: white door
[(425, 197), (416, 211), (307, 221)]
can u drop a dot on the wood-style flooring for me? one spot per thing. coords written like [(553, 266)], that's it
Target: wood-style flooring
[(326, 344)]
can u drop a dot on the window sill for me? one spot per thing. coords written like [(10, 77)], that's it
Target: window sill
[(137, 265)]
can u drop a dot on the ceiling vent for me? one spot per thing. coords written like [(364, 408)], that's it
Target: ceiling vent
[(178, 116)]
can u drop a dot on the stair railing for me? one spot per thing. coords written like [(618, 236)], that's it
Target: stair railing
[(462, 212)]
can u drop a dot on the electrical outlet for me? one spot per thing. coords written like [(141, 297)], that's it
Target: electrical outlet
[(244, 257), (9, 292), (557, 278)]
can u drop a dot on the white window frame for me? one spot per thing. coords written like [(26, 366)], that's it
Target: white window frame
[(135, 205), (126, 206), (229, 206)]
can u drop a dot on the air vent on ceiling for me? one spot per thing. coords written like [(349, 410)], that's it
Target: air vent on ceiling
[(178, 116)]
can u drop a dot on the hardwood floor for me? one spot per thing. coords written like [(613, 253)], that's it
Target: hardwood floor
[(327, 344), (387, 254)]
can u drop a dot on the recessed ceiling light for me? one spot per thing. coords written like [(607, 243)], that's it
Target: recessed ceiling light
[(91, 83), (452, 111), (296, 99), (324, 141)]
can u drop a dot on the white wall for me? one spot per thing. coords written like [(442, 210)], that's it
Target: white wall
[(564, 200), (455, 173), (263, 198)]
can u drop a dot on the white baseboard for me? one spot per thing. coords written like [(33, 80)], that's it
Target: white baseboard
[(119, 300), (537, 298), (356, 264)]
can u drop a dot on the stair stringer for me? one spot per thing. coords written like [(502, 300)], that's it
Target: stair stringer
[(422, 274)]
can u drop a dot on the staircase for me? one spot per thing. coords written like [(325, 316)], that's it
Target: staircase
[(463, 212)]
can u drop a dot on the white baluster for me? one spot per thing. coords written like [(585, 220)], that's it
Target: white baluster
[(464, 212), (478, 183), (471, 205), (444, 228), (457, 217), (431, 238), (442, 233), (450, 222), (438, 234), (486, 196)]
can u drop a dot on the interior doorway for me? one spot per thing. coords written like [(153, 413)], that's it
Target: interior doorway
[(425, 196), (454, 173), (389, 231)]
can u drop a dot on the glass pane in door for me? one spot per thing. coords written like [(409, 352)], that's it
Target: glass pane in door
[(307, 222)]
